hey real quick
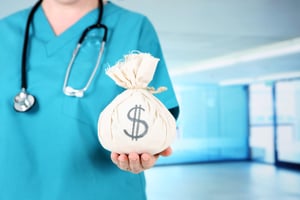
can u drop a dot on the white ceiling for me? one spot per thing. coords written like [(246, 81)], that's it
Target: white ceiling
[(193, 32)]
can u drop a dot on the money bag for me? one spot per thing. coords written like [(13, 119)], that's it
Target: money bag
[(136, 120)]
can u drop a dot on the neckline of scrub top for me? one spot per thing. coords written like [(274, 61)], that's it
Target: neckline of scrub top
[(44, 32)]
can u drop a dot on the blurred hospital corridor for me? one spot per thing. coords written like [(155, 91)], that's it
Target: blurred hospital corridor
[(235, 69)]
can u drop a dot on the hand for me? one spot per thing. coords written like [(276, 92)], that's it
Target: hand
[(136, 163)]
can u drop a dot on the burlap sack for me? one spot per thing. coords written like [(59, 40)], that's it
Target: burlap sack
[(136, 121)]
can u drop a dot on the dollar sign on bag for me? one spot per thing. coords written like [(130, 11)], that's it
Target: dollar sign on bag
[(136, 122)]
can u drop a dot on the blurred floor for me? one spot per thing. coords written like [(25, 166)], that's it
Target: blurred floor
[(223, 181)]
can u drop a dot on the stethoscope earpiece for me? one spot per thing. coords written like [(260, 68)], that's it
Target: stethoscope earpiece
[(23, 101)]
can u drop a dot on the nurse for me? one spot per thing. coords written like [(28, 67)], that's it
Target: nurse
[(51, 152)]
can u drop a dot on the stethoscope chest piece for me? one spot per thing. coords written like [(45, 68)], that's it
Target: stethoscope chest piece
[(23, 101)]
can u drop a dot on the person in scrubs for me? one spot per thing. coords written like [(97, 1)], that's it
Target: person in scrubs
[(52, 152)]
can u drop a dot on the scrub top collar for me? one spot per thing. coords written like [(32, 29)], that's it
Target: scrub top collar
[(43, 31)]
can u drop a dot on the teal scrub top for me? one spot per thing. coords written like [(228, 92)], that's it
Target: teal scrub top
[(52, 152)]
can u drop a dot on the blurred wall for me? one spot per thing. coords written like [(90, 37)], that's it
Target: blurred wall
[(9, 7)]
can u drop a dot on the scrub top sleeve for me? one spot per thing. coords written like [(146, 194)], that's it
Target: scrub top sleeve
[(149, 43)]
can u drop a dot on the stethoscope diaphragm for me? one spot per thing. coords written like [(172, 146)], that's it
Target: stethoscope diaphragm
[(23, 101)]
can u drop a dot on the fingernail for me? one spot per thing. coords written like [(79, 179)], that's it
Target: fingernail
[(146, 157), (133, 158), (121, 158)]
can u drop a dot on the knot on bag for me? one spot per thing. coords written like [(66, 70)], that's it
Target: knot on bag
[(134, 71)]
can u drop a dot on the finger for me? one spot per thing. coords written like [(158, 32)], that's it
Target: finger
[(123, 162), (114, 158), (135, 163), (148, 160)]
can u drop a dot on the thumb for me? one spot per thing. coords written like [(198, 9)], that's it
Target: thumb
[(166, 152)]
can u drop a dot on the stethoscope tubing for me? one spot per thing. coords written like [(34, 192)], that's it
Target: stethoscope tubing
[(25, 46), (69, 91), (24, 101)]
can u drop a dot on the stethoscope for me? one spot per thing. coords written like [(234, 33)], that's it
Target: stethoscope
[(24, 101)]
